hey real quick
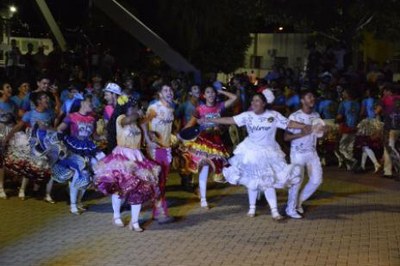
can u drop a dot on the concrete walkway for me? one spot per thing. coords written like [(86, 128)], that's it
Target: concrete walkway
[(353, 219)]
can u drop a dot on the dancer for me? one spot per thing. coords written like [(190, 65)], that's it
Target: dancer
[(8, 114), (303, 149), (27, 158), (348, 116), (208, 153), (258, 162), (157, 126), (81, 125), (126, 174), (369, 132), (184, 114)]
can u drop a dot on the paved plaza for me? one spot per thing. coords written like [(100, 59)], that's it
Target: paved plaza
[(353, 219)]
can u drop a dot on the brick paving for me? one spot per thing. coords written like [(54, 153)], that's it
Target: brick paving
[(353, 219)]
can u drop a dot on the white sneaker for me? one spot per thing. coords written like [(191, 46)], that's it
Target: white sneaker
[(293, 214), (134, 226), (3, 194), (74, 210), (21, 195), (49, 199), (252, 212), (276, 215), (203, 203), (300, 209), (118, 222)]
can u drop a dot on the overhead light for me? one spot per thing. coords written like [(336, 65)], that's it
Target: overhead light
[(280, 28)]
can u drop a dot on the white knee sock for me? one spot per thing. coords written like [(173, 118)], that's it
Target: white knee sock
[(363, 159), (135, 211), (203, 175), (116, 205), (270, 195), (1, 178), (371, 155), (81, 193), (49, 187), (24, 183), (252, 198), (73, 195)]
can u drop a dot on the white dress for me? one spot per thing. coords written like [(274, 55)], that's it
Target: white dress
[(258, 161)]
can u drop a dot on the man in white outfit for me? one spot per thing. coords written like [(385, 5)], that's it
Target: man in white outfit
[(303, 147)]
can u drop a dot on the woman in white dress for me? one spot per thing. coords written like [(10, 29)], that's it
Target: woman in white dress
[(258, 162)]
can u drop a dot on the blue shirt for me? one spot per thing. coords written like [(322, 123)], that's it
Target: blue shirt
[(369, 106), (350, 110), (325, 109), (185, 112), (33, 116), (8, 112), (293, 102)]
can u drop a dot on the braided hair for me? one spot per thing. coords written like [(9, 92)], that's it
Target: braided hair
[(123, 104)]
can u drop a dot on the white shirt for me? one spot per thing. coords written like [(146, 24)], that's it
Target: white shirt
[(307, 143), (262, 128)]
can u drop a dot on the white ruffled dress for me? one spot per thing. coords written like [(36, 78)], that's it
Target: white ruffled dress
[(258, 161)]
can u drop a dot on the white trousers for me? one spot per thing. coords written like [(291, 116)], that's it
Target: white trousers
[(311, 162)]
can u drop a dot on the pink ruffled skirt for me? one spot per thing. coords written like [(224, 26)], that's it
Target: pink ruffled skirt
[(129, 174)]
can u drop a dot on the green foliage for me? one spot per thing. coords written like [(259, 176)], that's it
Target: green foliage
[(212, 35), (333, 20)]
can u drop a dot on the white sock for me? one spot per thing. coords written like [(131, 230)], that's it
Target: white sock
[(363, 159), (203, 175), (24, 183), (73, 194), (371, 155), (49, 186), (270, 195), (116, 202), (1, 178), (252, 198), (81, 193), (135, 211)]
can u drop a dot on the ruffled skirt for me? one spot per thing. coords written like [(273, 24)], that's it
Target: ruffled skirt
[(129, 174), (4, 130), (209, 149), (83, 147), (21, 162), (258, 167)]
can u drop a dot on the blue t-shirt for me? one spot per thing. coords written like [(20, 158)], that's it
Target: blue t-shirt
[(280, 100), (185, 112), (326, 108), (293, 102), (8, 112), (369, 106), (18, 101), (33, 116), (350, 110)]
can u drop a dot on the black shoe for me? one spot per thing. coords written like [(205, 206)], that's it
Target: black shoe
[(388, 176)]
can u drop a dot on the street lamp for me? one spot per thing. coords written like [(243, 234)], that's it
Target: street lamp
[(13, 9), (6, 14)]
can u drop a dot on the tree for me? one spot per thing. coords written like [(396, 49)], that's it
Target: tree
[(213, 35), (336, 20)]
